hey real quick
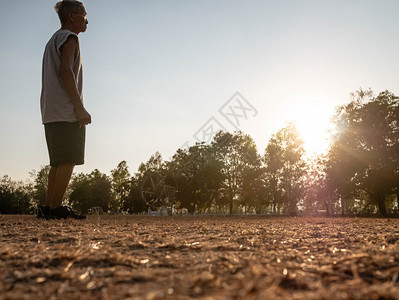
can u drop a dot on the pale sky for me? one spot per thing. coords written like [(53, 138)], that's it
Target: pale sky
[(156, 72)]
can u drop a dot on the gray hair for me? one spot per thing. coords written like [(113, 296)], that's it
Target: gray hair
[(63, 8)]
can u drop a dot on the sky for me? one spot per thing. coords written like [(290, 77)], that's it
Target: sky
[(161, 75)]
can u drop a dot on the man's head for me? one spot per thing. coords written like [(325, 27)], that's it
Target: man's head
[(72, 15)]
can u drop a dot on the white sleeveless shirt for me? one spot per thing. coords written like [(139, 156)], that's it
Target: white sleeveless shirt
[(56, 105)]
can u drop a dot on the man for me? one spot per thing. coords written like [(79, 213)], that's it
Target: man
[(63, 114)]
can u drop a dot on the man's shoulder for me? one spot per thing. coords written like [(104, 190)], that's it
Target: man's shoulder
[(59, 38), (63, 33)]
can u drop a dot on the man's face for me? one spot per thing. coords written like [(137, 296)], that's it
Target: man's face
[(80, 19)]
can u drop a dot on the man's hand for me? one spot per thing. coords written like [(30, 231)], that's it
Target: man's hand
[(84, 117)]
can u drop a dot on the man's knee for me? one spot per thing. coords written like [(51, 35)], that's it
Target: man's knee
[(65, 167)]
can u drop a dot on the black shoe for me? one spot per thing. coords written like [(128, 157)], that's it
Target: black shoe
[(73, 215), (64, 212), (43, 212)]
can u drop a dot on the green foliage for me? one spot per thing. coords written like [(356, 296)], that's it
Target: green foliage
[(363, 158), (150, 178), (318, 195), (93, 190), (40, 180), (15, 197), (134, 202), (237, 155), (285, 169), (197, 175), (121, 183), (358, 175)]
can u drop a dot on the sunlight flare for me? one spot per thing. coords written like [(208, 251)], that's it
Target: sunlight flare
[(312, 120)]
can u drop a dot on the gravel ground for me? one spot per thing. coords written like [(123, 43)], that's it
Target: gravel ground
[(137, 257)]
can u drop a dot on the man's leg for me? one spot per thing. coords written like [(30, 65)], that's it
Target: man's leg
[(58, 180), (51, 184)]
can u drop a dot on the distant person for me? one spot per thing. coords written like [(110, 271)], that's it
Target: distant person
[(63, 114)]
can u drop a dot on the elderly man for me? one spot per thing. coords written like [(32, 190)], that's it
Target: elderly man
[(63, 114)]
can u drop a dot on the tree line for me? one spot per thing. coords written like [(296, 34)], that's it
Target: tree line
[(359, 174)]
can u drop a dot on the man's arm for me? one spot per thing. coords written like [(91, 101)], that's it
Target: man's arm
[(68, 79)]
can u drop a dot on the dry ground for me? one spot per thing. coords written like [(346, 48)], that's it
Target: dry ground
[(130, 257)]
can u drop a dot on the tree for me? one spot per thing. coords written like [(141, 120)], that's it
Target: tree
[(93, 190), (121, 183), (273, 161), (150, 180), (364, 154), (285, 168), (134, 202), (253, 195), (318, 192), (197, 176), (154, 164), (40, 185), (15, 197), (341, 166), (238, 155)]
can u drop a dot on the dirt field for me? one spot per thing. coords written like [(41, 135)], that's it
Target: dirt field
[(130, 257)]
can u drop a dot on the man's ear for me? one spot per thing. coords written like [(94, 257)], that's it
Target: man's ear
[(70, 16)]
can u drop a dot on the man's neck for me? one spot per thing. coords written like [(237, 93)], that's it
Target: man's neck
[(68, 27)]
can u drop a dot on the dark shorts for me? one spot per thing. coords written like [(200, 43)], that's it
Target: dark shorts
[(65, 143)]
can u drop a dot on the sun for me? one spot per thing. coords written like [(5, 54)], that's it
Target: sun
[(312, 121)]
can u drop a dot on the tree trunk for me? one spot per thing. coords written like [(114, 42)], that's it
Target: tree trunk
[(343, 201), (231, 200), (380, 199), (328, 213), (397, 198)]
